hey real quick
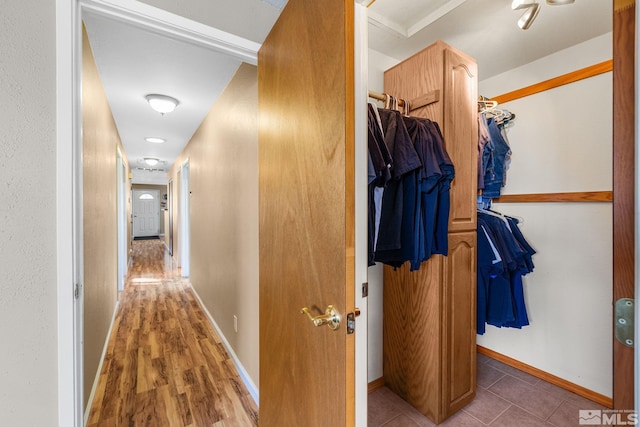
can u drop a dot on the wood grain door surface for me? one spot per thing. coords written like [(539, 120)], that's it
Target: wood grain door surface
[(306, 202), (624, 156)]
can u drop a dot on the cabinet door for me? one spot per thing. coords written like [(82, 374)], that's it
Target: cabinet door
[(460, 128), (459, 328)]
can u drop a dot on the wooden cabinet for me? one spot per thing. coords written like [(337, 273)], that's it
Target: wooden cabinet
[(430, 314)]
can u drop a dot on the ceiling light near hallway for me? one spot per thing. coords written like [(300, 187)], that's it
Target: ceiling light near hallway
[(151, 161), (155, 140), (162, 103)]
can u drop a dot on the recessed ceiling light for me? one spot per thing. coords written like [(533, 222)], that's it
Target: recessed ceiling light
[(151, 161), (155, 140), (162, 103)]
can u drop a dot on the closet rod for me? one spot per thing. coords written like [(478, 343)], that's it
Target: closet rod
[(414, 104)]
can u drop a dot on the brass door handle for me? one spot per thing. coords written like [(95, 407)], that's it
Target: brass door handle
[(331, 317)]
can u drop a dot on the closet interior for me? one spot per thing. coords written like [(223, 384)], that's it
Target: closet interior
[(429, 327), (430, 324)]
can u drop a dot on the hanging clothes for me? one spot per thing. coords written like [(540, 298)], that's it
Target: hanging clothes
[(414, 213), (504, 257), (494, 152)]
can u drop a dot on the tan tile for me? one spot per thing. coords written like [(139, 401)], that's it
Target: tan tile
[(583, 402), (461, 419), (516, 417), (382, 408), (488, 375), (482, 358), (486, 407), (567, 415), (513, 372), (526, 396), (401, 421)]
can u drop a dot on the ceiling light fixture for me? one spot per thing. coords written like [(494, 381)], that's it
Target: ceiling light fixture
[(155, 140), (151, 161), (529, 15), (162, 103), (522, 4), (533, 7)]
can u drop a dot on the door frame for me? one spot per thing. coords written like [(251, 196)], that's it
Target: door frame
[(170, 208), (122, 220), (361, 83), (135, 194), (69, 243), (185, 225)]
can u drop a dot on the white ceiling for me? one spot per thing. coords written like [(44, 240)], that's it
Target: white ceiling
[(134, 62), (485, 29)]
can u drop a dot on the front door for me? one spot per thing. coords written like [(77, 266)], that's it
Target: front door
[(146, 213), (306, 202)]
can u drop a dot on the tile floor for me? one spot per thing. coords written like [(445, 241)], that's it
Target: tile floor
[(506, 397)]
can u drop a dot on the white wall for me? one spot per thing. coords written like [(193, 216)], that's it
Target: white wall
[(28, 354), (562, 141), (378, 63)]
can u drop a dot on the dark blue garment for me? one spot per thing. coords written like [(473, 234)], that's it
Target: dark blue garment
[(496, 152), (499, 307), (378, 152), (426, 195), (414, 215), (371, 225), (441, 228), (529, 251), (405, 161), (485, 269), (501, 300)]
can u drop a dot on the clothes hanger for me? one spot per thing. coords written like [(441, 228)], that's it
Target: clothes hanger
[(486, 104)]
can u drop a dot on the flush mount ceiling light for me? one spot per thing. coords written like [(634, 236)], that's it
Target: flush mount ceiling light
[(151, 161), (559, 2), (162, 103), (155, 140)]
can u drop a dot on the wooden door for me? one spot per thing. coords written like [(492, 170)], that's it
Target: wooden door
[(306, 202), (623, 188)]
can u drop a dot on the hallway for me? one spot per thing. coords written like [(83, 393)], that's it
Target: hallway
[(165, 365)]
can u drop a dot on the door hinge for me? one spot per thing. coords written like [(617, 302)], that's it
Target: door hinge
[(351, 321), (624, 321), (365, 290), (76, 291)]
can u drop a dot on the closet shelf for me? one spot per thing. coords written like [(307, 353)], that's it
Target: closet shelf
[(581, 196)]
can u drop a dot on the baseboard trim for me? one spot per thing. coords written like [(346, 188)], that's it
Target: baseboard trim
[(244, 375), (550, 378), (375, 384), (92, 395)]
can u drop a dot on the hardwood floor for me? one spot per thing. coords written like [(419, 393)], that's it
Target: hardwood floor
[(165, 365)]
